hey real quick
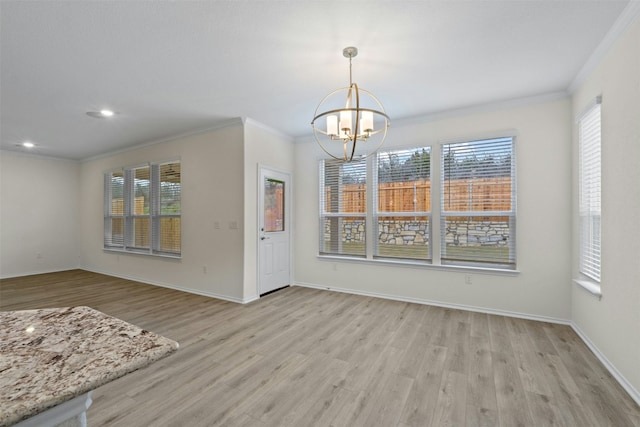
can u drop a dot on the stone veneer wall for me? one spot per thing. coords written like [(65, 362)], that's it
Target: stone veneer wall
[(403, 232), (477, 233), (416, 232)]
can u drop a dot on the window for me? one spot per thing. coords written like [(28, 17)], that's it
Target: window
[(589, 192), (142, 209), (273, 205), (403, 212), (380, 208), (114, 209), (343, 207), (477, 201)]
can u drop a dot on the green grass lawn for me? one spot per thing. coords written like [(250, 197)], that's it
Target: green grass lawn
[(499, 254)]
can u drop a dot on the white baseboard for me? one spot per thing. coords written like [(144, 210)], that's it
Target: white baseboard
[(629, 388), (251, 299), (439, 304), (172, 286)]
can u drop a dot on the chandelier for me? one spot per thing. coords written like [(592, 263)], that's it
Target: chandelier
[(353, 128)]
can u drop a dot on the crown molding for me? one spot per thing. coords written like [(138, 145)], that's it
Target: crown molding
[(484, 108), (628, 15), (35, 155)]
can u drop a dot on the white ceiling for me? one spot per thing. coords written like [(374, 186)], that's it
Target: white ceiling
[(172, 67)]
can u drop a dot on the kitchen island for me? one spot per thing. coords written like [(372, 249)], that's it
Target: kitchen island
[(51, 359)]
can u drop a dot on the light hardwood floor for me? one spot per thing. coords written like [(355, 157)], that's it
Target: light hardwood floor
[(302, 357)]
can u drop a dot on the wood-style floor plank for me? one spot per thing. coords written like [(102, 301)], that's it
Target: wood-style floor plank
[(307, 357)]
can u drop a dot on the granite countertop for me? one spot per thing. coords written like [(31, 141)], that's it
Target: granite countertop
[(52, 355)]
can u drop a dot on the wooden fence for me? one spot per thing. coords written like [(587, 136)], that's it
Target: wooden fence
[(460, 195)]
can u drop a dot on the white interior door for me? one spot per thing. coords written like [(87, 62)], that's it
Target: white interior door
[(274, 230)]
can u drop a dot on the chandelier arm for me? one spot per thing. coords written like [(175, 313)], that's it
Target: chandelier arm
[(375, 132)]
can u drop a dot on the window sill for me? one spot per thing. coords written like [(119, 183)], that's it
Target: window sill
[(421, 264), (591, 287), (122, 251)]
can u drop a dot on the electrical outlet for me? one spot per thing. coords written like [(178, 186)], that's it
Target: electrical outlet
[(204, 269), (216, 225), (467, 279)]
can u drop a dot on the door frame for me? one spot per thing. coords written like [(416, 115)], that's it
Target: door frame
[(288, 218)]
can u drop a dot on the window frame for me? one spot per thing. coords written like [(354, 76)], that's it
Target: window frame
[(130, 216), (341, 214), (109, 216), (377, 213), (434, 262), (590, 193), (511, 214)]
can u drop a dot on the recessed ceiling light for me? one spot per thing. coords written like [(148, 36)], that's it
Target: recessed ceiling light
[(28, 144), (102, 114)]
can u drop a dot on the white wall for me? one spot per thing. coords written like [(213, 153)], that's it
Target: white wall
[(38, 214), (612, 324), (541, 289), (269, 148), (212, 191)]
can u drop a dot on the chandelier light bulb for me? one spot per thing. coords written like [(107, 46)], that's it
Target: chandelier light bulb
[(366, 121), (332, 125)]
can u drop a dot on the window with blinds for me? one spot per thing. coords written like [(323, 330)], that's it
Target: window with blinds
[(380, 208), (343, 207), (142, 209), (403, 214), (114, 209), (478, 204), (139, 219), (168, 219), (589, 164)]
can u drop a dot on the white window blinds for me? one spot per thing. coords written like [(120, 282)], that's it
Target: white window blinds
[(589, 126), (114, 209), (167, 211), (478, 206), (138, 220), (143, 209), (343, 207)]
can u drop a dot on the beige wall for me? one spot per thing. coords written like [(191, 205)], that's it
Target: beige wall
[(266, 147), (543, 155), (212, 191), (39, 214), (612, 323)]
